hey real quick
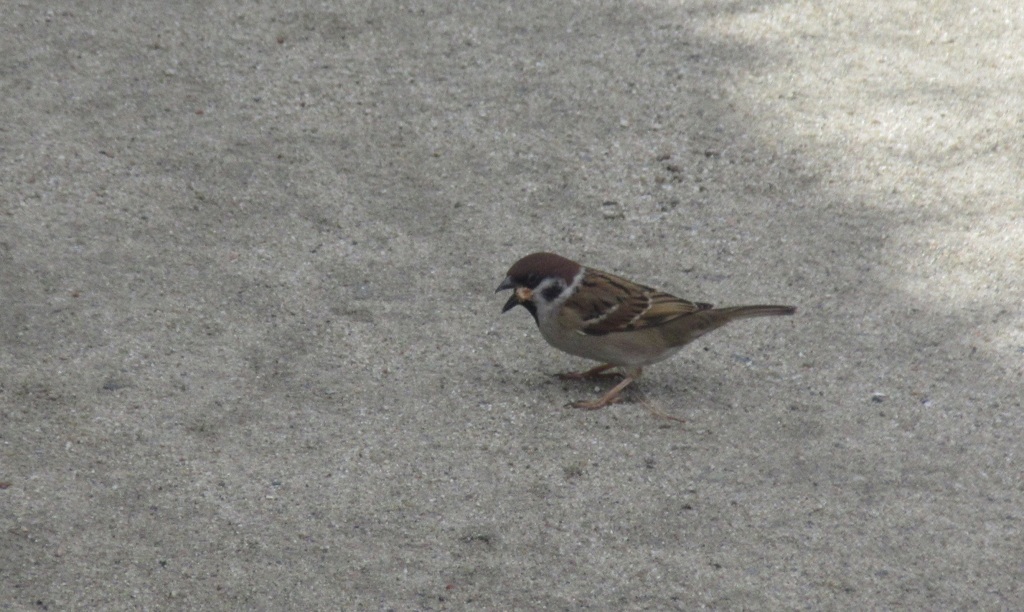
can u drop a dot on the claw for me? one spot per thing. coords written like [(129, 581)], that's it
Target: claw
[(608, 398), (591, 373), (595, 404)]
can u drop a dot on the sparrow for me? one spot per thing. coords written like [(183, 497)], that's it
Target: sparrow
[(606, 318)]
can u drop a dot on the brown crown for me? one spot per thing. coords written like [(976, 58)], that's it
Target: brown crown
[(532, 269)]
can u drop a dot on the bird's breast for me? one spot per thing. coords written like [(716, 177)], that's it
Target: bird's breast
[(630, 349)]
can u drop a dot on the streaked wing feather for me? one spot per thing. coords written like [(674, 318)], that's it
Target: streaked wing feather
[(636, 307)]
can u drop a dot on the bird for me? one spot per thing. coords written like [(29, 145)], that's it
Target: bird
[(606, 318)]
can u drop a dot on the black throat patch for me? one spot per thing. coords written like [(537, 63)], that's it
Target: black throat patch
[(533, 311)]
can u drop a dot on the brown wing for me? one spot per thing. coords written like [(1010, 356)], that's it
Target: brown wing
[(632, 308)]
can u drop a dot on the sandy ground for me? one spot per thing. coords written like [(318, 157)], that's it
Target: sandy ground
[(252, 356)]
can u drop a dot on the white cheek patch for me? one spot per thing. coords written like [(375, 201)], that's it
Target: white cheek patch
[(542, 293), (549, 295)]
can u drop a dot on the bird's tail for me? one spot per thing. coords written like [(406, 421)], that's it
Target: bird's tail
[(744, 312), (692, 326)]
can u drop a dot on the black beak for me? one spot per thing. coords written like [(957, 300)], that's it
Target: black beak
[(513, 301), (506, 284)]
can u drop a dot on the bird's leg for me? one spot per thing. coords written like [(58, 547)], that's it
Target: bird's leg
[(591, 373), (608, 398)]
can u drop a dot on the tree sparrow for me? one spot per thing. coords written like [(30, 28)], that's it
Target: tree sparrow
[(600, 316)]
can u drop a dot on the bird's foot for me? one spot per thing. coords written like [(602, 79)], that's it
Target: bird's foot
[(611, 397), (594, 404), (598, 372)]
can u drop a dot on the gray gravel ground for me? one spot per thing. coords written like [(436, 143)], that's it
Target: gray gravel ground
[(251, 355)]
